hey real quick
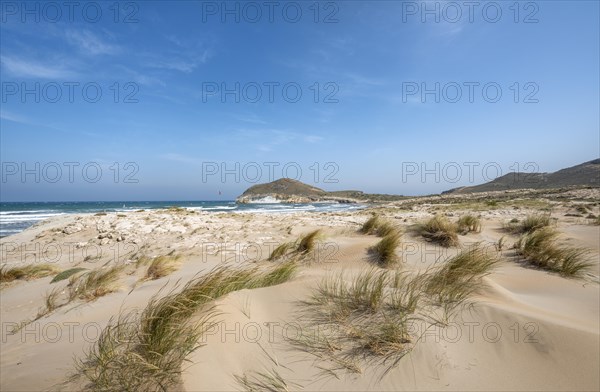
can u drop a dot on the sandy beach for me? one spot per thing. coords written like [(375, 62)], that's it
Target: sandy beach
[(525, 328)]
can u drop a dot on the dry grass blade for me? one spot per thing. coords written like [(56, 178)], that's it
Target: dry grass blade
[(67, 274), (27, 272), (269, 380)]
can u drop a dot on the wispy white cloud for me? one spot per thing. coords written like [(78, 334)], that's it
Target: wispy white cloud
[(90, 43), (251, 118), (176, 157), (19, 119), (267, 140), (4, 115), (26, 68), (184, 55), (181, 65)]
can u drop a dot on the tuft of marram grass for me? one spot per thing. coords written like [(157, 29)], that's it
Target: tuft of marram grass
[(542, 249), (145, 351), (162, 266), (378, 226), (281, 251), (469, 223), (370, 226), (440, 230), (370, 316), (461, 276), (94, 284), (308, 242), (384, 252), (301, 247), (529, 224), (27, 272)]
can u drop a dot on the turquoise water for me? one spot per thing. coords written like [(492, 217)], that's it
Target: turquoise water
[(16, 217)]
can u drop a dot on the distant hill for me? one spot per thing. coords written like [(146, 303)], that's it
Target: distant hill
[(287, 190), (585, 174)]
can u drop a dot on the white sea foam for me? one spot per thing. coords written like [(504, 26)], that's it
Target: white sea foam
[(27, 218)]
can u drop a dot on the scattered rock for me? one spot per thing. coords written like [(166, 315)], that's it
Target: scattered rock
[(74, 228)]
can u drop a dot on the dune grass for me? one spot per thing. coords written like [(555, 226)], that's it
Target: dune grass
[(308, 242), (268, 380), (469, 223), (460, 277), (378, 226), (67, 274), (145, 350), (51, 300), (439, 230), (370, 226), (529, 224), (384, 252), (27, 272), (281, 251), (367, 317), (542, 249), (94, 284), (162, 266), (297, 249)]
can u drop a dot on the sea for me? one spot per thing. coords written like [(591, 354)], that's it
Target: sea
[(17, 216)]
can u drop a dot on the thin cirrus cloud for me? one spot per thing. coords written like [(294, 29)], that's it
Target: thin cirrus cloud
[(176, 157), (27, 68), (90, 43), (185, 65)]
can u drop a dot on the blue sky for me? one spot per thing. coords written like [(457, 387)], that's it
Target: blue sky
[(165, 124)]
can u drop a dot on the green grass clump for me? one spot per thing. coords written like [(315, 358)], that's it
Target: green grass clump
[(299, 248), (94, 284), (308, 242), (281, 251), (384, 252), (370, 226), (364, 294), (378, 226), (67, 274), (27, 272), (370, 316), (469, 223), (542, 249), (440, 230), (460, 277), (145, 351), (529, 224), (162, 266)]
